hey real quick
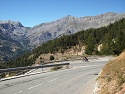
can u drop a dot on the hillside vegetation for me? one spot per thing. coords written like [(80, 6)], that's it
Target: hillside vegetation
[(108, 40), (112, 78)]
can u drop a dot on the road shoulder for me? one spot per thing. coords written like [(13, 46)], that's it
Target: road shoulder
[(89, 87)]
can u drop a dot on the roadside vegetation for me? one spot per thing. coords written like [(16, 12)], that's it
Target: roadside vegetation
[(56, 68), (112, 77)]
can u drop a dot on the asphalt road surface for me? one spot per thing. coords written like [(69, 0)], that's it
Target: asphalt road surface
[(66, 81)]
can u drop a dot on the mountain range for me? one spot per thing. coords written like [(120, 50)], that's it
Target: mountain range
[(16, 38)]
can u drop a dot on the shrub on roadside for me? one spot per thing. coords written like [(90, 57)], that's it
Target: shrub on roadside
[(56, 68), (52, 57)]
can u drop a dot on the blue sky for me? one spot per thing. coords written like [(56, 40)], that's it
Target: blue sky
[(34, 12)]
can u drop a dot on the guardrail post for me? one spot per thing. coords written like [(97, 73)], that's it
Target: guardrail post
[(42, 69), (23, 72), (0, 76), (67, 66)]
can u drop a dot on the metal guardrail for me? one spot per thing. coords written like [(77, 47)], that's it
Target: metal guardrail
[(29, 67)]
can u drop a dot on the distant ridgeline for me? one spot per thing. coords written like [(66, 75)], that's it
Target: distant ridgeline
[(110, 39)]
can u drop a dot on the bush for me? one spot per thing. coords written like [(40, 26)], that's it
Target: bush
[(56, 68), (52, 57)]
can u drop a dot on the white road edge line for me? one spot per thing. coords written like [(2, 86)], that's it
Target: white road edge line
[(85, 66), (52, 80), (18, 92), (42, 83), (35, 86)]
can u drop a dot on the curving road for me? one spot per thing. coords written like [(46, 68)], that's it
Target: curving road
[(68, 81)]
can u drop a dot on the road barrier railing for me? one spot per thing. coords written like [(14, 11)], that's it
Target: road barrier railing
[(30, 67), (24, 70)]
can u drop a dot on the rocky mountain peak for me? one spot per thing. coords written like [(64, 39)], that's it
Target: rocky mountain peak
[(13, 30), (68, 18), (9, 22)]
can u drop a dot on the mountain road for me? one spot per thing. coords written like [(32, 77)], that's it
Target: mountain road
[(73, 80)]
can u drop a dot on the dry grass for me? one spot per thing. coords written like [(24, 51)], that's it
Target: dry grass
[(112, 78), (56, 68)]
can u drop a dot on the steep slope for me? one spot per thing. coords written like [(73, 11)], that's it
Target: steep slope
[(112, 77), (69, 25), (11, 36)]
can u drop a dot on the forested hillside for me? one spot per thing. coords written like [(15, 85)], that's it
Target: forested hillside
[(110, 40)]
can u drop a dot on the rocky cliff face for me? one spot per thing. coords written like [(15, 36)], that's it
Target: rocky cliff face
[(14, 30), (12, 34)]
